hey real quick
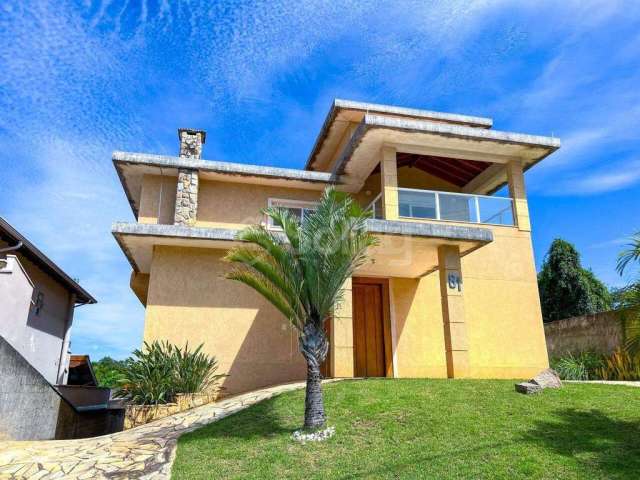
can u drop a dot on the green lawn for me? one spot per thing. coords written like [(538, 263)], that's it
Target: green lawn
[(428, 429)]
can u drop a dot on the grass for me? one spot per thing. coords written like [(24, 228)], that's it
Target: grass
[(428, 429)]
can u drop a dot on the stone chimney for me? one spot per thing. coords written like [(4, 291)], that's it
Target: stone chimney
[(191, 142)]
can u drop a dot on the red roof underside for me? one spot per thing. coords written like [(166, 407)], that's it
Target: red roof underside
[(453, 170)]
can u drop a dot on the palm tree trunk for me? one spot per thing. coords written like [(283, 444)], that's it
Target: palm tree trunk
[(313, 346)]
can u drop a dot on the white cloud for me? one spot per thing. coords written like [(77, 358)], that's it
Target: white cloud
[(617, 177)]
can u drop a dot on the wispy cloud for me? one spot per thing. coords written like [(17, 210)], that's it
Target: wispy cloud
[(619, 176)]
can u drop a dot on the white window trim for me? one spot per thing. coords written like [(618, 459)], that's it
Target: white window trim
[(287, 203)]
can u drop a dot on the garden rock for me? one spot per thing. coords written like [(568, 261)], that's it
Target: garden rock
[(528, 388), (547, 379)]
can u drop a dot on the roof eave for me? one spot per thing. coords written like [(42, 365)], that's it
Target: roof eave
[(340, 104), (371, 122), (82, 296), (120, 158)]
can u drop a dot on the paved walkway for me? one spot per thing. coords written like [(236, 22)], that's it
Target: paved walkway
[(144, 452), (607, 382)]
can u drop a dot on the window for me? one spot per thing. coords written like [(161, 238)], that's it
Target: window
[(298, 208)]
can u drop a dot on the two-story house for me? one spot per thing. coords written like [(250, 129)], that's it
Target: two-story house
[(450, 290)]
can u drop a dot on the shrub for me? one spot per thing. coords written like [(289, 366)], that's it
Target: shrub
[(584, 366), (194, 371), (621, 365), (160, 371)]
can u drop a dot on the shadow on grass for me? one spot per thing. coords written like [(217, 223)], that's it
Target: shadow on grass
[(259, 420), (602, 443)]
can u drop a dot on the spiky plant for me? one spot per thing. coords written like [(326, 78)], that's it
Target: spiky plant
[(301, 271)]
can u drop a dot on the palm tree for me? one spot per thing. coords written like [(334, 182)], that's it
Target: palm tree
[(631, 294), (630, 254), (301, 271)]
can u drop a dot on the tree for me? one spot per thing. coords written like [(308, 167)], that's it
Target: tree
[(301, 271), (108, 371), (567, 289)]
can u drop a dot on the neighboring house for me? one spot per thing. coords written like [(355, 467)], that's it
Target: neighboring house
[(37, 301), (450, 291), (81, 371)]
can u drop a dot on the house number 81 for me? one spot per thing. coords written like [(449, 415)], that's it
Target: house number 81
[(454, 281)]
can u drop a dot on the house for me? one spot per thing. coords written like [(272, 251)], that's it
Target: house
[(450, 290), (37, 301)]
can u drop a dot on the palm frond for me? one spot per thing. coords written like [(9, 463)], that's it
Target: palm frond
[(255, 260), (630, 254), (302, 269), (275, 298)]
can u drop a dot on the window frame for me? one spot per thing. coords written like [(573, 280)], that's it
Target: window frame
[(288, 203)]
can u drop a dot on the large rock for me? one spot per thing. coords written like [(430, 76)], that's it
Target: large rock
[(547, 379), (528, 388)]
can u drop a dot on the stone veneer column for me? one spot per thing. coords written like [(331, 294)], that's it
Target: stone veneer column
[(341, 341), (186, 197), (517, 192), (186, 210), (455, 328), (389, 183)]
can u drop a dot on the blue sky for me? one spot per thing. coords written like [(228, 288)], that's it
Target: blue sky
[(81, 79)]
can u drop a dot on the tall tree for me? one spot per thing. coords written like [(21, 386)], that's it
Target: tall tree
[(301, 271), (567, 289)]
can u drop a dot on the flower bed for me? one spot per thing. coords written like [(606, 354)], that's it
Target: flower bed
[(136, 415)]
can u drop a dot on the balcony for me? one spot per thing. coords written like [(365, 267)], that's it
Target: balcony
[(449, 206)]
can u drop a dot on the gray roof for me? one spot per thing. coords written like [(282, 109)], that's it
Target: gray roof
[(29, 250), (389, 227), (371, 121), (339, 104), (220, 167)]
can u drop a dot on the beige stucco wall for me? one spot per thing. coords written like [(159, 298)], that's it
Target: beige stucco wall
[(190, 301), (502, 305), (417, 329), (502, 314), (157, 199), (237, 205)]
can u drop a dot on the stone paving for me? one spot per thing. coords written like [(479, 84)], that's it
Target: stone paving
[(144, 452)]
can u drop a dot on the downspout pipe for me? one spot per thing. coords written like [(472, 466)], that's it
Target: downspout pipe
[(18, 246)]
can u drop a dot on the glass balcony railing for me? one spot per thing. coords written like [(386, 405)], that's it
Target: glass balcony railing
[(455, 207)]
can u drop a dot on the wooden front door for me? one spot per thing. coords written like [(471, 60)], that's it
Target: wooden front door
[(370, 338)]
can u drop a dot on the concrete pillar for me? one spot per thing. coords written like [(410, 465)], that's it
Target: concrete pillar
[(389, 183), (186, 210), (455, 327), (517, 192), (63, 362), (341, 341)]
